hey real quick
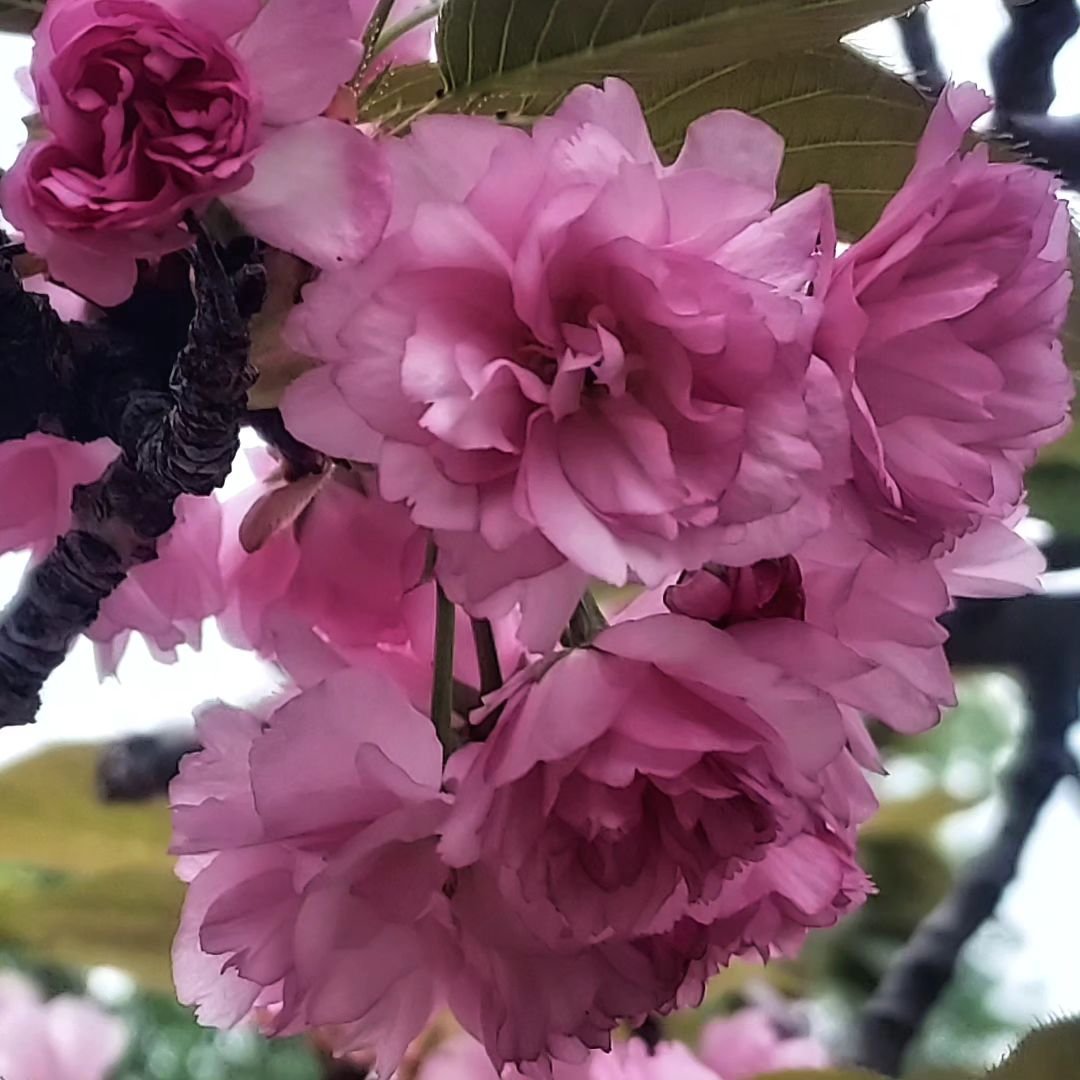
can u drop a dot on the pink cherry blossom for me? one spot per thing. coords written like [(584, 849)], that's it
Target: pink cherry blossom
[(309, 843), (942, 326), (157, 107), (640, 781), (579, 358), (37, 476), (67, 1038), (166, 599), (748, 1043), (342, 561)]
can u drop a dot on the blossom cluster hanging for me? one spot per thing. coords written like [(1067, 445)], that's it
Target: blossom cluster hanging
[(626, 499)]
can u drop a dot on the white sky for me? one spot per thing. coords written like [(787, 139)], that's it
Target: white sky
[(1040, 908)]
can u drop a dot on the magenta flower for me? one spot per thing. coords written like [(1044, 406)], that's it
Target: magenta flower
[(582, 362), (157, 107), (942, 326)]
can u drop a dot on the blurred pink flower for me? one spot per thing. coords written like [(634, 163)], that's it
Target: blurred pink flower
[(748, 1043), (66, 1038), (157, 107), (463, 1058), (582, 362), (942, 326)]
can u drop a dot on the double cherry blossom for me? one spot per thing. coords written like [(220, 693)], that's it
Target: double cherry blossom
[(544, 360)]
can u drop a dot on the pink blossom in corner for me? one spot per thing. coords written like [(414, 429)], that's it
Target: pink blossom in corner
[(66, 1038), (942, 326), (576, 356), (749, 1043), (668, 761), (154, 108), (309, 843)]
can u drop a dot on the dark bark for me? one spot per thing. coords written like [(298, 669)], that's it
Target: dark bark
[(174, 443), (1039, 636), (920, 49), (141, 767), (1022, 62)]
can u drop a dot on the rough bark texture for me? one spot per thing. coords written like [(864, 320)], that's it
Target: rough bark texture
[(174, 441)]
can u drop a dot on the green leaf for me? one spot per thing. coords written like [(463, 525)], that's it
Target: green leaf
[(1048, 1053), (1070, 334), (846, 122), (527, 46), (53, 819), (20, 16)]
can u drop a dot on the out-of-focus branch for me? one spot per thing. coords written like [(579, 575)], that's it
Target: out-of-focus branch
[(1022, 62), (1039, 636), (141, 767), (182, 443), (921, 51), (1022, 69)]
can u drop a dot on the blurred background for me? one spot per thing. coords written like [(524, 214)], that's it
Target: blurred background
[(87, 898)]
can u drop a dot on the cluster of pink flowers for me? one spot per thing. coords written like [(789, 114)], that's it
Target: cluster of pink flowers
[(67, 1038), (564, 363), (544, 360)]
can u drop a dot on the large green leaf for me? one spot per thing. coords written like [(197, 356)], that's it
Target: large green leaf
[(846, 122), (525, 46), (20, 16), (1048, 1053)]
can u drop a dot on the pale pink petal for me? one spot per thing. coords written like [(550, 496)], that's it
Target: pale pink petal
[(299, 52), (332, 211)]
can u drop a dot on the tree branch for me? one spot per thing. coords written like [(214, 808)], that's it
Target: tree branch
[(142, 766), (921, 52), (1041, 636), (182, 443)]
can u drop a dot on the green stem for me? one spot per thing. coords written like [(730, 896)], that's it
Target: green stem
[(487, 656), (442, 687), (375, 27), (398, 30)]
